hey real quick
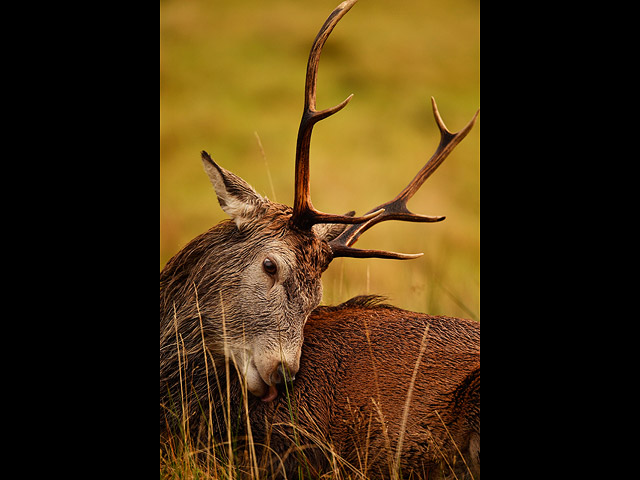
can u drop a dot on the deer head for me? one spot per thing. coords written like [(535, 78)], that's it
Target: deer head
[(256, 278)]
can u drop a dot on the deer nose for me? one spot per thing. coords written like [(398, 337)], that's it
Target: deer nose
[(283, 373)]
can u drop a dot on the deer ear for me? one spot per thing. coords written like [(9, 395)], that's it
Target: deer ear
[(236, 197), (329, 231)]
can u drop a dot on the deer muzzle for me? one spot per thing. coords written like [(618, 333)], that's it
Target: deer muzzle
[(265, 370)]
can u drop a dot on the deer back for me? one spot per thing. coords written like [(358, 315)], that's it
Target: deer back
[(399, 389)]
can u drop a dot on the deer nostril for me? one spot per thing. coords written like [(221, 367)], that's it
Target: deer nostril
[(286, 373), (282, 374)]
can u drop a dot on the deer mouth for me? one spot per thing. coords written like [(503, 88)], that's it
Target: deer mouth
[(271, 394), (257, 386), (249, 371), (266, 370)]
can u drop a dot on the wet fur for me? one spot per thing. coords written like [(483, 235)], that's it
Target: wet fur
[(356, 367)]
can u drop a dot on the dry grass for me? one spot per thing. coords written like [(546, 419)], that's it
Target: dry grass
[(183, 457), (235, 458)]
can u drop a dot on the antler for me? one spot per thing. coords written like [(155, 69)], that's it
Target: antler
[(396, 209), (304, 213)]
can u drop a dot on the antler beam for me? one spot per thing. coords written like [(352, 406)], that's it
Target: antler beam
[(304, 213)]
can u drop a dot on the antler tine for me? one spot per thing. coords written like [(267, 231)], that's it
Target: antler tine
[(396, 209), (304, 213)]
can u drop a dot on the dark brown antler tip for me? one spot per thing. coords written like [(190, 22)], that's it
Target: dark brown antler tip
[(443, 128), (344, 251)]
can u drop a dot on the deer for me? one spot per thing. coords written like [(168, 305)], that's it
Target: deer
[(247, 353)]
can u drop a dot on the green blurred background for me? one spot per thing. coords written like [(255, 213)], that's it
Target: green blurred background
[(231, 69)]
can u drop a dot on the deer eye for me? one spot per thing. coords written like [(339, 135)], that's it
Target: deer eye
[(269, 266)]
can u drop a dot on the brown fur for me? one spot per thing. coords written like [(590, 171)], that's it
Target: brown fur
[(357, 364)]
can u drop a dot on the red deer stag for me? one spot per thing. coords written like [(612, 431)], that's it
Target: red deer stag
[(363, 385)]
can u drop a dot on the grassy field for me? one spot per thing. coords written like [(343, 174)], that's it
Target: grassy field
[(229, 70)]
